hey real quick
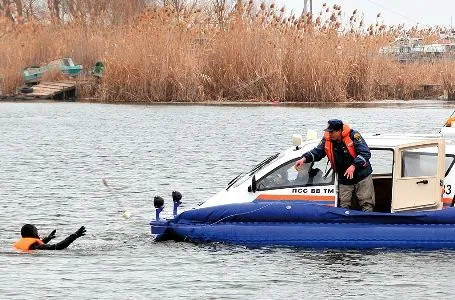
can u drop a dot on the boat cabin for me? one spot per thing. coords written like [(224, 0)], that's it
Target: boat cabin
[(65, 66), (410, 173)]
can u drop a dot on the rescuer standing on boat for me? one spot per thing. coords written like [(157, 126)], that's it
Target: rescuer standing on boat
[(349, 156), (31, 241)]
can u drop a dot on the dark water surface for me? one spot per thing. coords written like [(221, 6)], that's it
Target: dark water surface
[(54, 157)]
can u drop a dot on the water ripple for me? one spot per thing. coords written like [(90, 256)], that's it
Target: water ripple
[(56, 155)]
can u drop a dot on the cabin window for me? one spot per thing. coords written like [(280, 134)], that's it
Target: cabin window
[(382, 161), (242, 177), (286, 176), (417, 164)]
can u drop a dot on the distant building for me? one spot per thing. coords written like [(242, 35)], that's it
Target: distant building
[(407, 49)]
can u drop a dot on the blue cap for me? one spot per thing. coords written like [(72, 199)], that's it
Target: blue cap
[(334, 125)]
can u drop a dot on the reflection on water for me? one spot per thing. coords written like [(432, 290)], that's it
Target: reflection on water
[(55, 156)]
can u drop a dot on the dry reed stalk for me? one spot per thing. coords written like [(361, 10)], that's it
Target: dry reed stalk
[(255, 53)]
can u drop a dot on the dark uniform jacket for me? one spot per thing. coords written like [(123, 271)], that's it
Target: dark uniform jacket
[(343, 159), (59, 246)]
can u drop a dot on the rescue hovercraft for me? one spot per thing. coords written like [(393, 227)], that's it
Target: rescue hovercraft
[(275, 205)]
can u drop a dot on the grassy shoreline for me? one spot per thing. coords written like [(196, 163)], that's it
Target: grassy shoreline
[(257, 52)]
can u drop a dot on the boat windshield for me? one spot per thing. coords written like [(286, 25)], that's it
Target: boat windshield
[(66, 62), (239, 179)]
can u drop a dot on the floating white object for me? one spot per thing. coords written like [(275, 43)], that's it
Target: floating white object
[(311, 134), (126, 214)]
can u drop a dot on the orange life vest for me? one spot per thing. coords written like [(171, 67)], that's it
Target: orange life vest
[(25, 243), (346, 140), (449, 122)]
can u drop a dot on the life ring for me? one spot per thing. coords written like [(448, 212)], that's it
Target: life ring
[(449, 122)]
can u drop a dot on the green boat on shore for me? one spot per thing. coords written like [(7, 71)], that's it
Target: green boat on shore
[(33, 75)]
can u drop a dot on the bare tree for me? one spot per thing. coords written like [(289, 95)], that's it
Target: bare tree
[(178, 5), (220, 8), (54, 9), (19, 10), (7, 10), (85, 11), (29, 9)]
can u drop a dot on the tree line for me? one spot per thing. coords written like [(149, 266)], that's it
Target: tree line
[(108, 12)]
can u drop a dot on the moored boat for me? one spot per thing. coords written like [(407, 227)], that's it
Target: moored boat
[(65, 66), (275, 205), (33, 75)]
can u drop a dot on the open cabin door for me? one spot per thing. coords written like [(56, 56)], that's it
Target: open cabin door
[(418, 175)]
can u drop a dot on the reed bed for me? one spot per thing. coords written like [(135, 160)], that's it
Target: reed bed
[(252, 52)]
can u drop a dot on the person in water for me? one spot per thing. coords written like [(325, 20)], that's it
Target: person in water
[(349, 156), (31, 241)]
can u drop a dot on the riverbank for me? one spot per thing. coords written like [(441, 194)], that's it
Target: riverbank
[(255, 52), (390, 103)]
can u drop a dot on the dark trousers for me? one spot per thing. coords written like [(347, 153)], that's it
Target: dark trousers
[(364, 192)]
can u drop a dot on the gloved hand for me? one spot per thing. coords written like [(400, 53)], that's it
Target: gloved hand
[(51, 235), (80, 232), (48, 238)]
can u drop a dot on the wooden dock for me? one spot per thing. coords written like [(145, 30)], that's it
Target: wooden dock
[(58, 90)]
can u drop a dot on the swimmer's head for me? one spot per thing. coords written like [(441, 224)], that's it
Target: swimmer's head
[(29, 231)]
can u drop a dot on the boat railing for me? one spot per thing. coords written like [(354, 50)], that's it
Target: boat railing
[(447, 135), (401, 136)]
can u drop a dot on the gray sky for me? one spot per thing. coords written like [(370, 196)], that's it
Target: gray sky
[(408, 12)]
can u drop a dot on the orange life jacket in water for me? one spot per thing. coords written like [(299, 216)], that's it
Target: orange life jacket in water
[(25, 243), (346, 140)]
